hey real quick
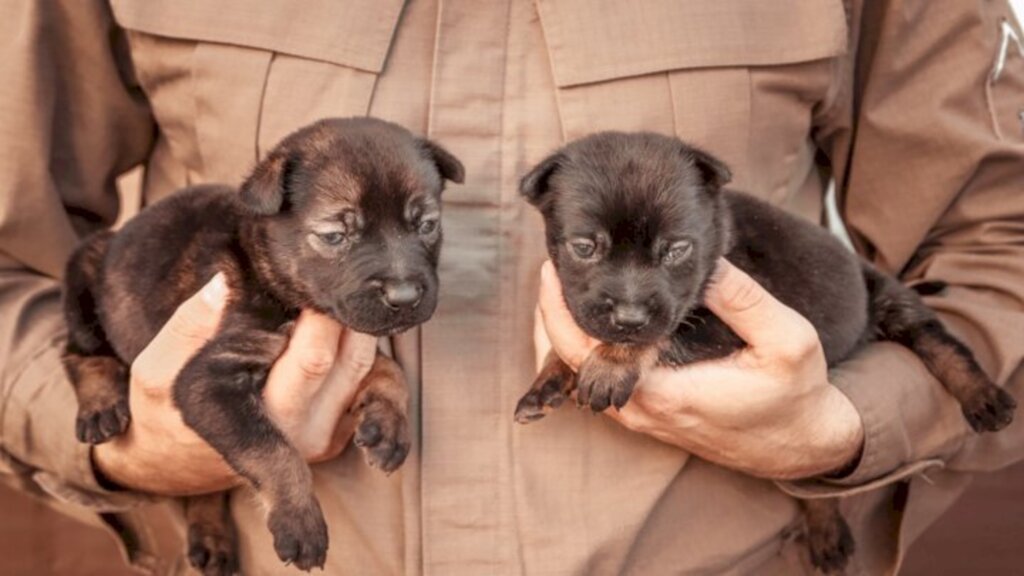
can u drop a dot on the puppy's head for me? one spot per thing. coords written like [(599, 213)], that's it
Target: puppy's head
[(635, 224), (348, 221)]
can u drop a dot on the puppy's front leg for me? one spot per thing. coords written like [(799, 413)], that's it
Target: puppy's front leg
[(607, 377), (553, 385), (218, 393), (382, 408)]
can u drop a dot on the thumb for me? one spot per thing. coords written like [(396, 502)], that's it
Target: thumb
[(752, 313), (571, 343), (196, 319), (189, 328)]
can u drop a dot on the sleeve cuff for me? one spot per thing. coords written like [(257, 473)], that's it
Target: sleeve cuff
[(911, 424)]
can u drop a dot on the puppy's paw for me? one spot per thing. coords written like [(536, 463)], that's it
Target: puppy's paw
[(989, 409), (601, 384), (383, 433), (211, 549), (300, 535), (100, 419), (831, 545), (548, 393)]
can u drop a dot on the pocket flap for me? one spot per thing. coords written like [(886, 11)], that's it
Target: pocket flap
[(595, 41), (354, 33)]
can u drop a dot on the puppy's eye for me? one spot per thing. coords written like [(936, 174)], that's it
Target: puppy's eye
[(331, 238), (677, 252), (427, 227), (583, 248)]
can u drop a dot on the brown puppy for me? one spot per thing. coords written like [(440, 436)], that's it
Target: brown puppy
[(635, 224), (342, 217)]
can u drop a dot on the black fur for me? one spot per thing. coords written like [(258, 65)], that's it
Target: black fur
[(634, 198)]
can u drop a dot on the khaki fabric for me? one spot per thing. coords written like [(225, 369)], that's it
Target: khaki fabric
[(894, 98)]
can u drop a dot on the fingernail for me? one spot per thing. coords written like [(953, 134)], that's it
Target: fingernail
[(215, 292)]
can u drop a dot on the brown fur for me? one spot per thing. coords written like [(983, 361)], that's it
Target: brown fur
[(101, 386), (552, 387), (829, 539), (382, 430), (211, 535), (608, 375), (341, 217)]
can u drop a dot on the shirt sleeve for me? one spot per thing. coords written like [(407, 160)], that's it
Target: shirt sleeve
[(71, 120), (925, 137)]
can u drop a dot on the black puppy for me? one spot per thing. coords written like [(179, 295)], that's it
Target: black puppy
[(342, 217), (635, 224)]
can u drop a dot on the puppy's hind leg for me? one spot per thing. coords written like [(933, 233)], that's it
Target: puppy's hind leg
[(382, 408), (212, 547), (828, 535), (553, 385), (99, 378), (218, 393), (899, 315)]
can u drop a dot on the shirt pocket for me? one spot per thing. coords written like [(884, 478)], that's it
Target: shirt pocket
[(740, 79), (228, 79)]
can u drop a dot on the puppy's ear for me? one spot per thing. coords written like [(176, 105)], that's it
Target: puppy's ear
[(534, 185), (265, 190), (713, 171), (447, 164)]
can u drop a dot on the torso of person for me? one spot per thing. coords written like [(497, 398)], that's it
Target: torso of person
[(501, 84)]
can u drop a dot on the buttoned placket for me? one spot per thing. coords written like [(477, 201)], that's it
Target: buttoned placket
[(465, 497)]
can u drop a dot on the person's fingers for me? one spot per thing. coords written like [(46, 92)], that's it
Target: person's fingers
[(755, 315), (356, 355), (189, 328), (631, 416), (541, 342), (571, 343), (330, 425), (298, 374)]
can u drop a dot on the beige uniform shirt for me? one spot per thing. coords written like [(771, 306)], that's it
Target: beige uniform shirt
[(898, 100)]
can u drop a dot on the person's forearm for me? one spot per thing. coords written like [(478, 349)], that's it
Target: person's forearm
[(928, 188)]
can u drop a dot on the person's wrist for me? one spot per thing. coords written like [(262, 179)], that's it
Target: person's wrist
[(839, 433), (163, 472)]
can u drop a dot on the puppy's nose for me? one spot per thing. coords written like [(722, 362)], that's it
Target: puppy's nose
[(399, 294), (630, 316)]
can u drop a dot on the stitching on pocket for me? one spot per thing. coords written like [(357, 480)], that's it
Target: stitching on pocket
[(1009, 38)]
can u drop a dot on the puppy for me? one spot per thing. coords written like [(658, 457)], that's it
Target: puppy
[(635, 224), (342, 217)]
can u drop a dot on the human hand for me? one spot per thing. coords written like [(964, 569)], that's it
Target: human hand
[(767, 410), (307, 394)]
